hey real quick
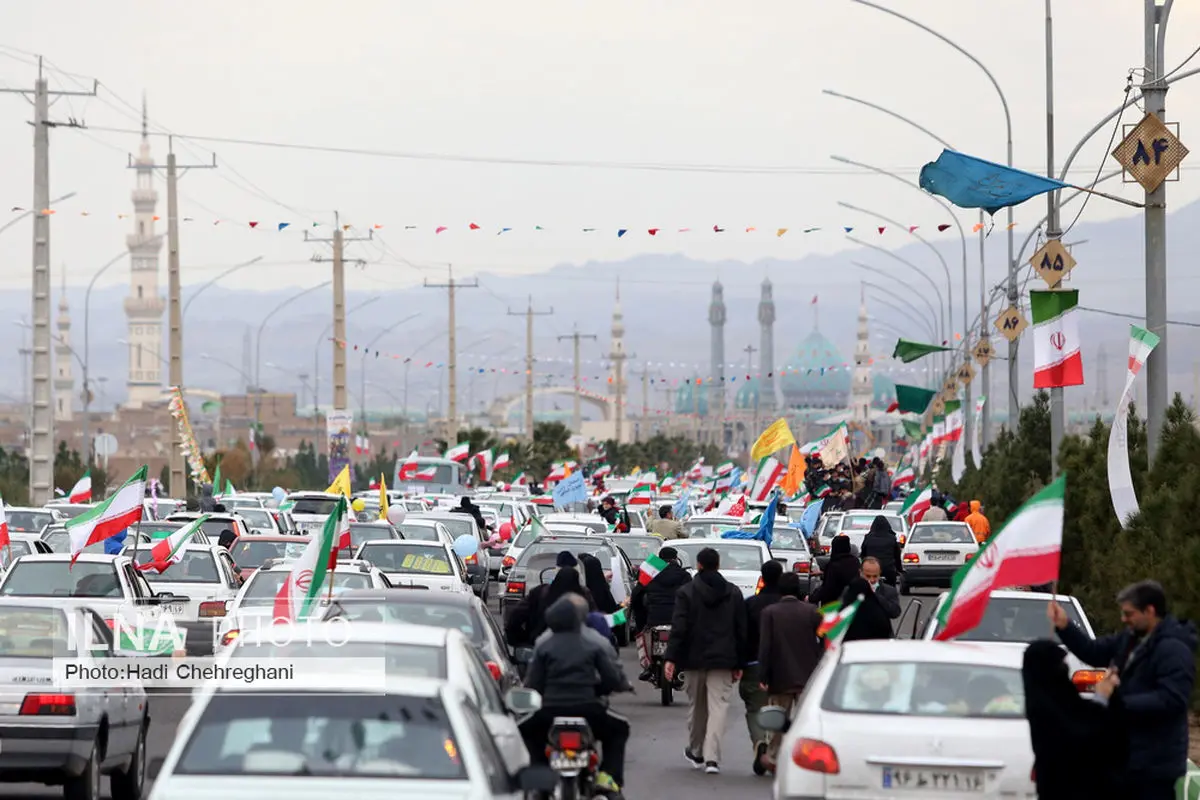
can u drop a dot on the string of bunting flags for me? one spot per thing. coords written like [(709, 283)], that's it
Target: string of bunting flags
[(278, 226)]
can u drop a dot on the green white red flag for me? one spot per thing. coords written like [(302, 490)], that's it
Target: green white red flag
[(649, 568), (105, 520), (301, 590), (166, 551), (1027, 551), (643, 490), (770, 472), (916, 504), (81, 492), (1120, 479), (1056, 357), (835, 621), (904, 477)]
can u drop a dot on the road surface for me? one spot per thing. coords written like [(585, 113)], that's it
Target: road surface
[(655, 766)]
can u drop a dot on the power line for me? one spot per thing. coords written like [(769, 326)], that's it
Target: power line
[(1141, 317)]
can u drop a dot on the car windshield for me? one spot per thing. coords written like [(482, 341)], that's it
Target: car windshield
[(420, 532), (456, 617), (734, 556), (57, 539), (459, 525), (431, 559), (257, 518), (159, 530), (264, 585), (638, 548), (941, 534), (321, 506), (195, 566), (862, 522), (252, 551), (213, 528), (30, 632), (30, 578), (703, 530), (323, 735), (372, 532), (27, 521), (927, 689), (1013, 619)]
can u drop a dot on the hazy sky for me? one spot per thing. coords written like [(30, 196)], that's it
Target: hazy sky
[(663, 82)]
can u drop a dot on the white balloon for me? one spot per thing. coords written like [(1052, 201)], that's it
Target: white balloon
[(395, 514)]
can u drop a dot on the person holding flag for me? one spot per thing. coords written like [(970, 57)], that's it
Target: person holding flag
[(653, 599), (300, 593)]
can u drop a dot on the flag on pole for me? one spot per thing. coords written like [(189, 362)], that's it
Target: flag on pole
[(426, 474), (459, 452), (5, 539), (502, 461), (776, 437), (1056, 357), (977, 433), (903, 477), (725, 468), (908, 351), (616, 618), (341, 484), (81, 492), (341, 537), (301, 590), (383, 497), (1120, 479), (1025, 552), (216, 484), (408, 468), (109, 518), (229, 490), (913, 399), (602, 471), (484, 461), (917, 504), (643, 490), (769, 473), (649, 568), (794, 478), (955, 420), (166, 550), (836, 620)]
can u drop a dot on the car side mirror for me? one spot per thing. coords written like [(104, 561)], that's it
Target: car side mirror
[(162, 598), (520, 700), (774, 719), (522, 655)]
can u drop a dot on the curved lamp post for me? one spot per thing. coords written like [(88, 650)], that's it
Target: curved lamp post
[(204, 286), (363, 367), (258, 346), (905, 289)]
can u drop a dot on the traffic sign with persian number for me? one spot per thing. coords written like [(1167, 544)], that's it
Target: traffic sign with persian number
[(950, 389), (983, 352), (939, 406), (1053, 262), (966, 374), (1011, 323), (1150, 153)]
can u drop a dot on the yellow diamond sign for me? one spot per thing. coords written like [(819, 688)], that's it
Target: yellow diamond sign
[(983, 352), (1011, 322), (1150, 153), (966, 374), (1053, 262)]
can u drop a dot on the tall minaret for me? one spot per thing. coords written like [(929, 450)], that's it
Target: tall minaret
[(862, 391), (144, 305), (64, 380), (766, 349), (618, 356), (716, 318)]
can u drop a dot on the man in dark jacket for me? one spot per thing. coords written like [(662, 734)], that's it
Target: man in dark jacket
[(880, 605), (749, 687), (1153, 659), (881, 544), (654, 603), (708, 642), (563, 670), (788, 652), (206, 499)]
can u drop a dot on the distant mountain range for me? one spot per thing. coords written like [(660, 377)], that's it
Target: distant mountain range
[(665, 302)]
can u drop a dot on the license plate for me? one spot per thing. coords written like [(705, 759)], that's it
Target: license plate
[(951, 781), (174, 608), (660, 648), (565, 761), (943, 556)]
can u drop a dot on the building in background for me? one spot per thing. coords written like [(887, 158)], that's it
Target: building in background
[(144, 305)]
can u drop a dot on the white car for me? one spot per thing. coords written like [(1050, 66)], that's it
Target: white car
[(409, 651), (428, 565), (705, 526), (311, 509), (933, 552), (593, 522), (1013, 619), (885, 718), (203, 583), (425, 530), (259, 519), (741, 559), (215, 524), (419, 738), (30, 520)]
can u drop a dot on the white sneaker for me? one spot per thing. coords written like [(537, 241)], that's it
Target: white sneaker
[(711, 768)]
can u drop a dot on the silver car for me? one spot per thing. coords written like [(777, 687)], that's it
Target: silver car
[(53, 734)]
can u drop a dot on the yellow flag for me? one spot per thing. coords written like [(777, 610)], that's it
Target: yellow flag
[(383, 497), (794, 478), (776, 437), (341, 484)]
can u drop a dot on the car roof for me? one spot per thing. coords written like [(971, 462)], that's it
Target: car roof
[(336, 683), (308, 494), (46, 602), (213, 516), (383, 632), (404, 543), (274, 537), (940, 522), (920, 650), (84, 556), (1014, 594), (407, 597)]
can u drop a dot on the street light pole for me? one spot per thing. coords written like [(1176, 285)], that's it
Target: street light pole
[(229, 271), (1053, 232), (363, 367)]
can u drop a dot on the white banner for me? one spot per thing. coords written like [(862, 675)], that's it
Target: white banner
[(1120, 481), (977, 434), (958, 462)]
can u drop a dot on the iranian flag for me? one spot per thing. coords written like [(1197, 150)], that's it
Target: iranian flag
[(166, 551), (521, 480), (668, 484), (725, 469), (904, 477), (1025, 552), (835, 621), (298, 595), (732, 508), (341, 538), (118, 512), (649, 568), (484, 461), (5, 539), (1056, 357), (917, 504), (558, 471), (426, 474), (602, 471), (459, 452), (82, 491), (939, 430), (955, 421), (770, 472), (408, 468), (617, 618), (643, 491), (722, 484), (1120, 478), (502, 461), (697, 470)]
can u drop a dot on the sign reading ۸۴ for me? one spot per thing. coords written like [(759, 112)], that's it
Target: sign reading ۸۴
[(570, 489), (1150, 153)]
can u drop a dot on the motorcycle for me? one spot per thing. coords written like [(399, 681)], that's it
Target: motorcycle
[(573, 755), (658, 637)]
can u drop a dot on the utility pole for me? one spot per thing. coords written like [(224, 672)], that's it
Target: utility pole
[(1053, 232), (1154, 92), (529, 314), (41, 443), (578, 415), (452, 366), (338, 240), (178, 478)]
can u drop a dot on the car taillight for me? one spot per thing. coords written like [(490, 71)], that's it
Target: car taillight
[(801, 567), (494, 668), (59, 705), (1085, 680), (507, 562), (1033, 774), (824, 549), (815, 756), (570, 740), (968, 556), (759, 586), (212, 608), (911, 558), (229, 636), (471, 559), (514, 587), (664, 635)]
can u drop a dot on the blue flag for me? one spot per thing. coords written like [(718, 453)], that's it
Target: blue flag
[(970, 182), (766, 523), (808, 520), (681, 505), (113, 545)]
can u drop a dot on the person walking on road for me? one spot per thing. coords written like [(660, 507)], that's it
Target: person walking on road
[(788, 652), (881, 604), (978, 522), (882, 544), (1078, 748), (750, 686), (708, 642), (842, 569), (666, 527), (1153, 659)]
